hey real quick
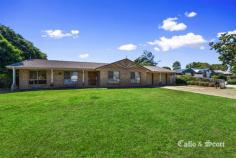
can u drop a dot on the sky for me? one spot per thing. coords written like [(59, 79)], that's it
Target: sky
[(110, 30)]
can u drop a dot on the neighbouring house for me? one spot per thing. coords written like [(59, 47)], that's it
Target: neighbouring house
[(220, 72), (200, 73), (39, 73), (185, 72)]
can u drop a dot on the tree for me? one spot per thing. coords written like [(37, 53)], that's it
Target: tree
[(234, 68), (14, 48), (226, 47), (8, 53), (166, 67), (176, 65), (146, 59), (28, 50), (218, 67), (198, 65)]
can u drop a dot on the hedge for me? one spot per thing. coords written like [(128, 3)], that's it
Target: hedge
[(232, 81), (201, 83), (190, 80)]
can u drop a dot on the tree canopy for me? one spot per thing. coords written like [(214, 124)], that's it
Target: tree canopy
[(146, 59), (176, 65), (14, 48), (218, 67), (198, 65), (226, 47), (8, 53)]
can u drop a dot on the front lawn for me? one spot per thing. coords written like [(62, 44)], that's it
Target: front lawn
[(141, 122)]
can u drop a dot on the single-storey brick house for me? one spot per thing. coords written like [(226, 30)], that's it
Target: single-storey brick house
[(39, 73)]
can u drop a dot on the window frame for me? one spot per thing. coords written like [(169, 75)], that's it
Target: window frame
[(69, 80), (39, 78), (114, 79), (136, 79)]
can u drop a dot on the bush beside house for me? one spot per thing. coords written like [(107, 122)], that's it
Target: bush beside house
[(232, 80), (5, 80), (219, 76), (190, 80)]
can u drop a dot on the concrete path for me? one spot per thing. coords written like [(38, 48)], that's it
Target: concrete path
[(231, 86), (228, 92)]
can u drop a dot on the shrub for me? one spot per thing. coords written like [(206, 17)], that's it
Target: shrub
[(180, 81), (185, 77), (232, 77), (204, 79), (214, 77), (232, 81), (220, 76), (5, 80), (200, 83), (190, 80)]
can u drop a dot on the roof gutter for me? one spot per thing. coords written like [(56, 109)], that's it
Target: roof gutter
[(10, 67)]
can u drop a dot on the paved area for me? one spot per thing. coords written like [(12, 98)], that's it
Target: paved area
[(231, 86), (228, 92)]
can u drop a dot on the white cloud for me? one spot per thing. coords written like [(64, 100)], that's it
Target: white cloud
[(170, 24), (190, 15), (157, 49), (127, 47), (74, 32), (58, 34), (229, 32), (189, 39), (84, 55)]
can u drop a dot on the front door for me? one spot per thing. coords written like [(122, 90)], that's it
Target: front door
[(92, 78)]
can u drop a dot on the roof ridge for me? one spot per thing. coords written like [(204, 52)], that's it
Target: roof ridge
[(65, 61)]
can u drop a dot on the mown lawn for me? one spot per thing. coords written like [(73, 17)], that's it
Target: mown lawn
[(135, 123)]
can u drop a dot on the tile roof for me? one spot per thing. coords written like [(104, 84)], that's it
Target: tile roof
[(42, 63), (158, 69), (57, 64), (222, 72)]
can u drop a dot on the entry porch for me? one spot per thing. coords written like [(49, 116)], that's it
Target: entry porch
[(54, 78)]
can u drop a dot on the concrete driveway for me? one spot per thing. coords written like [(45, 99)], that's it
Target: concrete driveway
[(228, 92)]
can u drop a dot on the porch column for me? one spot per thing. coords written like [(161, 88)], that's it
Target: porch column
[(83, 78), (13, 79), (160, 78), (51, 77), (174, 78), (152, 79), (166, 79)]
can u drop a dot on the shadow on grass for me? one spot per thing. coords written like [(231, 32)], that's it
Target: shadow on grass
[(6, 91)]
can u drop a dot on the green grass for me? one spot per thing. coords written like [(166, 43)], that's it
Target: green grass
[(114, 123)]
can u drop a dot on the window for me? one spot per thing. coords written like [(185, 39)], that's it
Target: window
[(113, 77), (70, 77), (135, 77), (37, 77)]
